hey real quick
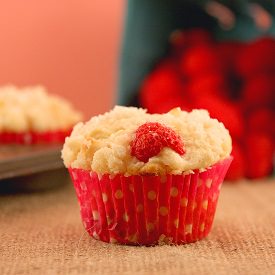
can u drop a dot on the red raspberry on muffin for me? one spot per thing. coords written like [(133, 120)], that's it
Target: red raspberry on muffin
[(151, 137)]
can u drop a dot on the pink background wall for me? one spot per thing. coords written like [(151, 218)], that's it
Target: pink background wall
[(70, 46)]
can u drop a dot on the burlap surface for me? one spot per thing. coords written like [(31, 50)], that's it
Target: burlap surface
[(41, 233)]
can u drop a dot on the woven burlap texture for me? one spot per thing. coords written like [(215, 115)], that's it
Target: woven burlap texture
[(41, 233)]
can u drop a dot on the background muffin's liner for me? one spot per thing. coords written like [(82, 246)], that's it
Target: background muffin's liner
[(33, 137), (147, 210)]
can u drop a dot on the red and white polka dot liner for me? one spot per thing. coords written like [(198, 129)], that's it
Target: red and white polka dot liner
[(34, 138), (148, 210)]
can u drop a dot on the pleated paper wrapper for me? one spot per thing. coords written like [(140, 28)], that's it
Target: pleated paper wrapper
[(33, 137), (149, 210)]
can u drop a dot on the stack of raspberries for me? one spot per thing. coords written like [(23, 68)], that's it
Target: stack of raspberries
[(234, 81)]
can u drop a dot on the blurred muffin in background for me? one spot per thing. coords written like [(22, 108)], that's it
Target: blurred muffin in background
[(31, 115)]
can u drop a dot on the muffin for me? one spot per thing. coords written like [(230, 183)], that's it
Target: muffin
[(146, 179), (31, 115)]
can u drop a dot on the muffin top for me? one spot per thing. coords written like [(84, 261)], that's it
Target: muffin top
[(129, 141), (33, 109)]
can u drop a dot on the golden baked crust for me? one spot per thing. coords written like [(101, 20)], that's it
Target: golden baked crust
[(102, 144)]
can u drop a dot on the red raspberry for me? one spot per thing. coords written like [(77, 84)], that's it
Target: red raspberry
[(259, 155), (151, 137), (200, 60), (257, 57), (148, 127), (214, 84), (229, 52), (236, 170), (261, 120), (146, 146), (171, 139), (161, 85), (259, 91)]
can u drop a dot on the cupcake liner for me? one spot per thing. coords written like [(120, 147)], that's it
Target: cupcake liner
[(148, 210), (33, 138)]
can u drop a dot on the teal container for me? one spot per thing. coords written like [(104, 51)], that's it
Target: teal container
[(149, 23)]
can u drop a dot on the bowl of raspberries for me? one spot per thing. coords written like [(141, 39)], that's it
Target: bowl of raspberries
[(233, 80)]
